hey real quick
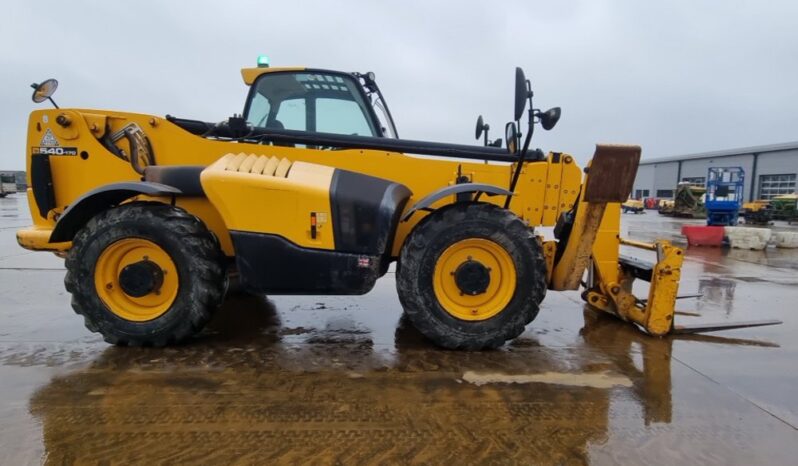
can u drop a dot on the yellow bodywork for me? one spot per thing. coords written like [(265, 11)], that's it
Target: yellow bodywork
[(545, 189), (282, 199), (251, 74)]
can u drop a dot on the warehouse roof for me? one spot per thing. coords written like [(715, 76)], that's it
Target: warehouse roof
[(724, 153)]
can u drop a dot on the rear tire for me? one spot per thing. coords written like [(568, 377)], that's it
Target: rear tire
[(181, 243), (422, 280)]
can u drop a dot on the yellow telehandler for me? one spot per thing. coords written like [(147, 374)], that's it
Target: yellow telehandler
[(310, 191)]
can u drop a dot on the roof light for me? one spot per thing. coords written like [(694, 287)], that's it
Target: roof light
[(263, 61)]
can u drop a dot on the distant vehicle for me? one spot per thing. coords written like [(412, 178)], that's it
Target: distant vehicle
[(785, 207), (633, 205), (687, 203), (758, 212), (724, 195), (8, 184)]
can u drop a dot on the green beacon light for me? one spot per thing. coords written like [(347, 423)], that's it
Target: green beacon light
[(263, 61)]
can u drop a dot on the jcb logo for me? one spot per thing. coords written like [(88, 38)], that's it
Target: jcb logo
[(55, 150)]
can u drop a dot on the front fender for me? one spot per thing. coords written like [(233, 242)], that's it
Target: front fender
[(425, 202), (100, 199)]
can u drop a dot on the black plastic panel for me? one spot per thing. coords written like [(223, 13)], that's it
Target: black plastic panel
[(365, 212), (41, 181), (186, 178), (272, 264)]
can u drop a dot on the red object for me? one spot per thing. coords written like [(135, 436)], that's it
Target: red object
[(700, 235), (651, 203)]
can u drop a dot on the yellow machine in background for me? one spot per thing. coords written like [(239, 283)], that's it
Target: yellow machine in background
[(688, 202), (634, 206), (758, 212), (310, 191)]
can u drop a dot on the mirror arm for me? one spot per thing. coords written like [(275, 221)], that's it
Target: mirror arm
[(521, 158), (53, 102)]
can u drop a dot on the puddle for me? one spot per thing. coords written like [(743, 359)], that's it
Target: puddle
[(594, 380)]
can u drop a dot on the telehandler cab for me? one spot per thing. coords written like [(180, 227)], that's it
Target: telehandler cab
[(310, 191)]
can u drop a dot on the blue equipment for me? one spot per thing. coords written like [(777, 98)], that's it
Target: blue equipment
[(724, 195)]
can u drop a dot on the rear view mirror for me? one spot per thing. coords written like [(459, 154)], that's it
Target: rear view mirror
[(521, 93), (44, 90), (549, 118), (511, 137), (480, 127)]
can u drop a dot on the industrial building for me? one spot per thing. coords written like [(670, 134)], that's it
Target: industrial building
[(770, 170), (19, 178)]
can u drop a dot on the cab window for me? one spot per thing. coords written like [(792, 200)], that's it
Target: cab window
[(293, 115), (310, 101), (340, 117)]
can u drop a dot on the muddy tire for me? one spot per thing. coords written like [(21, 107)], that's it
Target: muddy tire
[(472, 276), (148, 306)]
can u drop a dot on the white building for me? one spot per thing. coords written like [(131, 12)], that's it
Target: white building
[(769, 171)]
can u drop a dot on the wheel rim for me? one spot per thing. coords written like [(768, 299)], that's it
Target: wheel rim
[(132, 253), (454, 292)]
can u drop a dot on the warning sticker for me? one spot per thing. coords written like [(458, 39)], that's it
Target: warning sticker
[(49, 139)]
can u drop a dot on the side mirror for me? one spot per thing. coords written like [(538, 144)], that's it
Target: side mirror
[(521, 93), (44, 91), (511, 137), (481, 126), (549, 118)]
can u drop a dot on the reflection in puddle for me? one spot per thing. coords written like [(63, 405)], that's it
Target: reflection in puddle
[(717, 292), (244, 393)]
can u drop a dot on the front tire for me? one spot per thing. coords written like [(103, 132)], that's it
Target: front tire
[(471, 276), (145, 274)]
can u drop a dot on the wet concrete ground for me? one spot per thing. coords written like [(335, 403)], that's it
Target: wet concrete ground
[(345, 380)]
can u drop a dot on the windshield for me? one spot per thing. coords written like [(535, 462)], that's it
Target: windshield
[(310, 101)]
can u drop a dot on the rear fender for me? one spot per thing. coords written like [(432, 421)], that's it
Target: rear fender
[(100, 199)]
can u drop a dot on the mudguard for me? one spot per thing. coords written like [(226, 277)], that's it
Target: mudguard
[(452, 190), (102, 198)]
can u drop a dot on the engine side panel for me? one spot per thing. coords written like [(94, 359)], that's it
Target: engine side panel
[(286, 206), (304, 228)]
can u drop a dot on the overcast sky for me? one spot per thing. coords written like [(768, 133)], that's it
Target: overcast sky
[(675, 76)]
